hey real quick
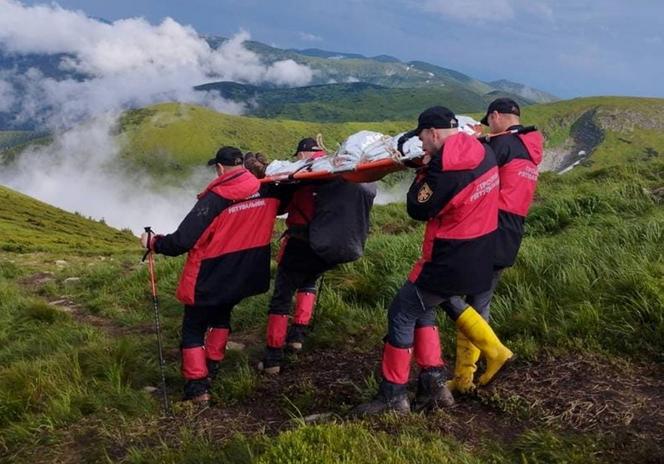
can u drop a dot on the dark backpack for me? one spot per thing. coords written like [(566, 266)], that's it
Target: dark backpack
[(340, 226)]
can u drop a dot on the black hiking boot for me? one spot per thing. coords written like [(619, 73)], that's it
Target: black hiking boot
[(390, 397), (197, 391), (213, 370), (432, 392), (272, 361), (296, 336)]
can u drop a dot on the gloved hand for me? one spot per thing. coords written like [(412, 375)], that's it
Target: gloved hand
[(256, 164), (404, 138), (144, 240)]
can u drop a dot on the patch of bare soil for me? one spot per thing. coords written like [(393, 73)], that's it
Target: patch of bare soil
[(318, 382), (591, 394), (37, 280), (575, 394), (110, 327), (586, 394)]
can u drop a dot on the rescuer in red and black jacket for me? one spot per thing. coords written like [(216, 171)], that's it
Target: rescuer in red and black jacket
[(227, 237), (517, 156), (298, 271), (456, 193)]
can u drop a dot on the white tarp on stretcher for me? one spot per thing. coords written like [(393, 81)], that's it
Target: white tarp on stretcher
[(363, 147)]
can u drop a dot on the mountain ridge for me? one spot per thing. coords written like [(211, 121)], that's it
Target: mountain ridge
[(328, 68)]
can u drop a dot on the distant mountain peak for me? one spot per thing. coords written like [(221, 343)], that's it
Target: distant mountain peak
[(529, 93)]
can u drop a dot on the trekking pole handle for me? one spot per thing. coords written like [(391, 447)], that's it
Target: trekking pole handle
[(148, 230)]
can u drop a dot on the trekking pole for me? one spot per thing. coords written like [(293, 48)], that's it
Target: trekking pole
[(319, 293), (157, 325), (519, 130)]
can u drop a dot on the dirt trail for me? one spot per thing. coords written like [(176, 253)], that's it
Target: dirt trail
[(623, 402), (79, 313)]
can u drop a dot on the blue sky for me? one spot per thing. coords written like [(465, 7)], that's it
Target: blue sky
[(569, 48)]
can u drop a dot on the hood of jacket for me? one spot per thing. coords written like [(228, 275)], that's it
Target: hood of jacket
[(235, 185)]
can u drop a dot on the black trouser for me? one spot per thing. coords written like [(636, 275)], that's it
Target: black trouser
[(198, 319), (415, 307), (482, 301), (286, 283)]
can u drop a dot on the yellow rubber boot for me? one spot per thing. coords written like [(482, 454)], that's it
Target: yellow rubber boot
[(480, 334), (467, 355)]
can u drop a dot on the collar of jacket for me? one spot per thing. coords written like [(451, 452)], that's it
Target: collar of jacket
[(235, 185)]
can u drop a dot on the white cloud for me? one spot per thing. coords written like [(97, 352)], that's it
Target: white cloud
[(7, 98), (307, 37), (128, 63), (233, 61), (81, 172), (392, 194), (288, 71)]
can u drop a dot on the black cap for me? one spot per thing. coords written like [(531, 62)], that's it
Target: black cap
[(437, 117), (227, 156), (307, 144), (502, 105)]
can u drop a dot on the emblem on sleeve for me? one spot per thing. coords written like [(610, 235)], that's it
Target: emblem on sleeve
[(424, 194)]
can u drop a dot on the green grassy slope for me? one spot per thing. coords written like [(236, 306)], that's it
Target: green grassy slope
[(609, 127), (27, 224), (12, 143), (171, 137)]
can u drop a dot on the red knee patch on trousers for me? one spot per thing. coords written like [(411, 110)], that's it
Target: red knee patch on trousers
[(304, 307), (396, 364), (277, 325), (427, 347), (194, 366), (215, 343)]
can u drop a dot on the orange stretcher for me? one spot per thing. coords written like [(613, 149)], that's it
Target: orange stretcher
[(362, 172), (369, 171)]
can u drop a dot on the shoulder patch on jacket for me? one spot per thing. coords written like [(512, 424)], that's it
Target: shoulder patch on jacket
[(424, 193), (202, 210)]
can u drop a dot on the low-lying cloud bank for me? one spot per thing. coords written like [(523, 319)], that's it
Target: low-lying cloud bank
[(103, 69), (80, 172), (129, 62)]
